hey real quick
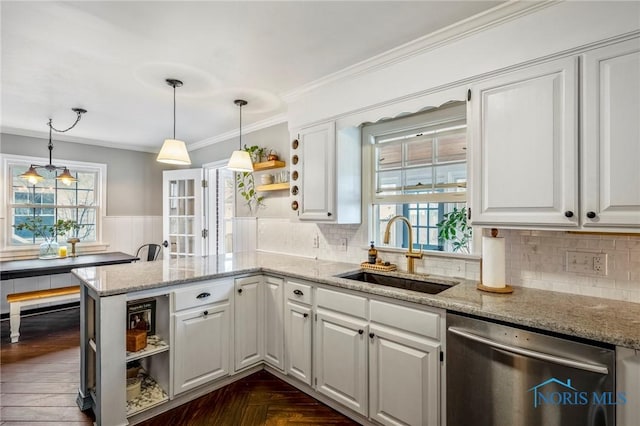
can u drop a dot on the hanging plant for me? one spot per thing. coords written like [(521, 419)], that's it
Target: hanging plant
[(247, 189), (454, 228), (245, 182)]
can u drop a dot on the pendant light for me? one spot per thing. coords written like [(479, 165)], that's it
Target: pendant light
[(32, 175), (240, 160), (174, 151)]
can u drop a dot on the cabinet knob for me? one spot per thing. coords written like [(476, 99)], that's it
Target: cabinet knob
[(298, 292), (360, 331), (591, 215), (568, 213), (372, 335), (239, 290), (205, 313), (305, 315), (328, 213)]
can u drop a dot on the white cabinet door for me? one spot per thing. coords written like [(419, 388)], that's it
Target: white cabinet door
[(201, 349), (523, 129), (611, 136), (341, 359), (316, 171), (248, 322), (404, 375), (298, 341), (274, 322), (183, 213)]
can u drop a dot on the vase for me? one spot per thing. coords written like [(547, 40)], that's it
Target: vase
[(49, 250)]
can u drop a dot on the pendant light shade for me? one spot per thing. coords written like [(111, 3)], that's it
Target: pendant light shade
[(174, 151), (240, 160)]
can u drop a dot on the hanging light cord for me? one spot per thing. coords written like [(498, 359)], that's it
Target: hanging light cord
[(240, 126), (174, 111), (79, 112)]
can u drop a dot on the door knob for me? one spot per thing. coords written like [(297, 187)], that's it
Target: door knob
[(305, 315), (591, 215), (568, 213), (205, 313), (165, 243), (372, 335), (239, 290), (360, 331)]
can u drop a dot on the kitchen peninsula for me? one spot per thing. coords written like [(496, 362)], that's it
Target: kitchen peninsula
[(196, 294)]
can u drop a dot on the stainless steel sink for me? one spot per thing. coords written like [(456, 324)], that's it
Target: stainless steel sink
[(429, 287)]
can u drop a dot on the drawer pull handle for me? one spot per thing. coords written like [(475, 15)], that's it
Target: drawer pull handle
[(305, 315), (298, 292), (239, 290), (372, 335), (203, 295), (360, 331)]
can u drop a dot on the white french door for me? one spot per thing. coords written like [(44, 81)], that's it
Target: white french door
[(183, 213)]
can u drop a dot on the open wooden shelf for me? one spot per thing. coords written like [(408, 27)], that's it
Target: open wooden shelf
[(268, 165), (273, 187)]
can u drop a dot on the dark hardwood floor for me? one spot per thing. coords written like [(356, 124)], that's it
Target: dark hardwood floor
[(39, 382)]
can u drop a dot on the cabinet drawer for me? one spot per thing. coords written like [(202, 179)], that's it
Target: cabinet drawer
[(342, 302), (299, 292), (413, 320), (205, 293)]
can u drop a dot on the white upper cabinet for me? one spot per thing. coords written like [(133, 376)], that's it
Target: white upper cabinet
[(524, 146), (325, 174), (611, 136), (530, 169)]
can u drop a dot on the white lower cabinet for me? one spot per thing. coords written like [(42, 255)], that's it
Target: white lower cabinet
[(404, 378), (274, 321), (201, 346), (298, 341), (341, 359), (248, 321), (201, 334), (298, 324)]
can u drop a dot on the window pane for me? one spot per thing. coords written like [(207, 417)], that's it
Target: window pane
[(452, 146), (66, 197), (389, 182), (418, 177), (452, 173), (419, 151), (388, 156)]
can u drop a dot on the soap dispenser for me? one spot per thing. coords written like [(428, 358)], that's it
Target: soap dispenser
[(373, 254)]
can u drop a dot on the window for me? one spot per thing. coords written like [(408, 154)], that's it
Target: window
[(418, 169), (52, 200)]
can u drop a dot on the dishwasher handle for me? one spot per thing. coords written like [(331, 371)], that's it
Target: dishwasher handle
[(594, 368)]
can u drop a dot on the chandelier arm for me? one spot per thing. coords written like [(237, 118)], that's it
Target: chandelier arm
[(78, 111)]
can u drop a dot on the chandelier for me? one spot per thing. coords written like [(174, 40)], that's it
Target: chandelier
[(32, 175)]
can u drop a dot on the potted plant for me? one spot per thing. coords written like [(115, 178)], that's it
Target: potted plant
[(49, 233), (453, 228), (245, 182)]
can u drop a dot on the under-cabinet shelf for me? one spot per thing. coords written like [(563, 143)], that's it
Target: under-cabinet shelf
[(155, 345), (273, 187), (268, 165), (151, 395)]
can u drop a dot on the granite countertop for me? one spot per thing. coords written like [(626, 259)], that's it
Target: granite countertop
[(598, 319)]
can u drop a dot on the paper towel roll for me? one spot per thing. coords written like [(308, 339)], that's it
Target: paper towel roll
[(493, 263)]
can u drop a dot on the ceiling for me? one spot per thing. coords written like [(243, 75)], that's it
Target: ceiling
[(112, 58)]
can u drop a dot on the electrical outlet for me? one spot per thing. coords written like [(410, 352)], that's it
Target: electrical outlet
[(316, 241), (343, 244), (587, 263)]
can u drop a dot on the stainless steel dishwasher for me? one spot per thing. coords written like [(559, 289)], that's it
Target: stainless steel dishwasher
[(499, 375)]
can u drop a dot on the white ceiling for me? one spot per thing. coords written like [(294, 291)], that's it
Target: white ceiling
[(112, 57)]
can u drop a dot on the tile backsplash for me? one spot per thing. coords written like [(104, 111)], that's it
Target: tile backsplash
[(535, 259)]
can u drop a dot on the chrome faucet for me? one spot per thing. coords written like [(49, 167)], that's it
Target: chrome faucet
[(410, 255)]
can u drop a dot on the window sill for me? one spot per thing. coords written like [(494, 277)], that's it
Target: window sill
[(430, 253), (31, 252)]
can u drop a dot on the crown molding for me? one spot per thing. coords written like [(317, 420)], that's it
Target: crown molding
[(462, 29), (259, 125)]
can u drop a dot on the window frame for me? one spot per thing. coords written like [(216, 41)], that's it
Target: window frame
[(446, 114), (10, 160)]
